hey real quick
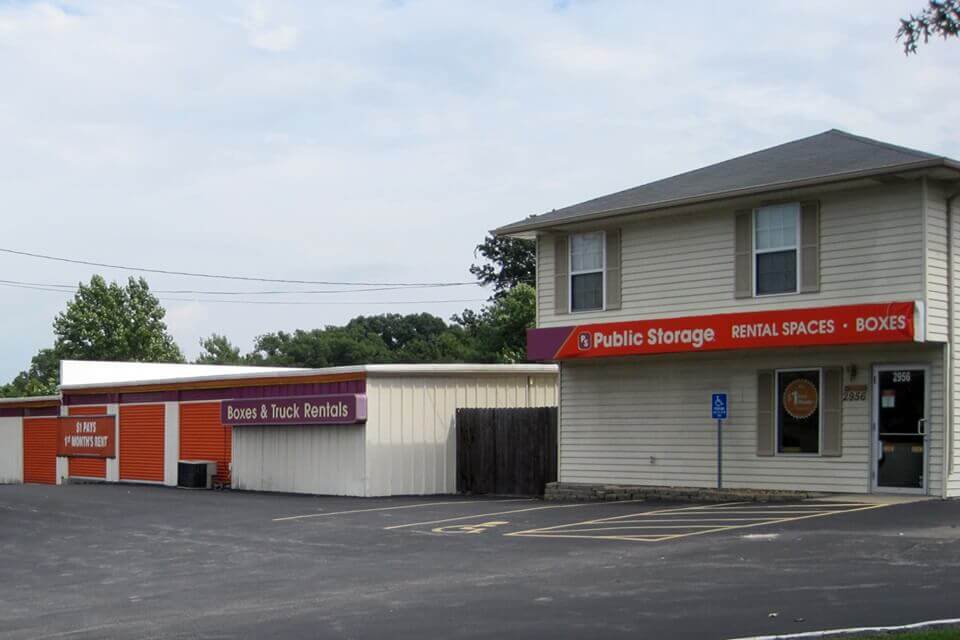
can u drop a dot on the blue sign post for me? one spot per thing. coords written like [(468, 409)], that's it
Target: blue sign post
[(718, 409)]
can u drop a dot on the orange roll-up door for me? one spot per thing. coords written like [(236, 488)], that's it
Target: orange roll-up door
[(141, 442), (204, 437), (87, 467), (40, 449)]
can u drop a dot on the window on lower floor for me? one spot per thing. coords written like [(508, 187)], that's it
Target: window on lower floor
[(798, 411)]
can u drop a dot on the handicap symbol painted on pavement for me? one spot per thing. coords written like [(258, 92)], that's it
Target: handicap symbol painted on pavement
[(481, 527)]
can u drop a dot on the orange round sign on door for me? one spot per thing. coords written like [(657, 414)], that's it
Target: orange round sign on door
[(800, 399)]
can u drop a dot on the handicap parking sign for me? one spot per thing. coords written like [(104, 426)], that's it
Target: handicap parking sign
[(718, 405)]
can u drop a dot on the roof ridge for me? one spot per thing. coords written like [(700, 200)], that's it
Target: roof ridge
[(689, 171), (885, 145)]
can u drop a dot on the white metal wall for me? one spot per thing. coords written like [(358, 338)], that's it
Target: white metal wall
[(300, 459), (411, 446), (871, 250), (11, 450), (646, 421)]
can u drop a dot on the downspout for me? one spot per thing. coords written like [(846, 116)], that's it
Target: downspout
[(949, 463)]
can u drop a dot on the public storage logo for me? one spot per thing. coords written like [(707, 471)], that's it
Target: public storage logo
[(851, 324), (584, 342)]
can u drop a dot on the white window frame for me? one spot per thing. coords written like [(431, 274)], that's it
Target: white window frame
[(756, 252), (602, 270), (778, 400)]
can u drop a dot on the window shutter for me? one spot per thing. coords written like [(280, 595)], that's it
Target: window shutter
[(766, 424), (743, 258), (561, 271), (809, 247), (613, 274), (831, 399)]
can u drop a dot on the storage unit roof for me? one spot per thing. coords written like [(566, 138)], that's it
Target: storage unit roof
[(826, 157), (281, 375), (86, 372)]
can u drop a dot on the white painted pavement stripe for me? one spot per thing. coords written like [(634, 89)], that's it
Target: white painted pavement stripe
[(404, 506), (856, 630), (502, 513)]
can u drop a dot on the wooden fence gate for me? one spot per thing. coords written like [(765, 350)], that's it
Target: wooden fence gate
[(506, 451)]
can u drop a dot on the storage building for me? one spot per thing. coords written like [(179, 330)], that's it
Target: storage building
[(372, 430), (812, 285)]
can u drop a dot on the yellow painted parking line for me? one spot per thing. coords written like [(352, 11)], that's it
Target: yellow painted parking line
[(655, 512), (499, 513), (779, 521), (802, 507), (584, 530), (689, 520), (403, 506)]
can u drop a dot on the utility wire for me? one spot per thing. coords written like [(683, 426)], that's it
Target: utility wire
[(72, 287), (230, 277), (263, 302)]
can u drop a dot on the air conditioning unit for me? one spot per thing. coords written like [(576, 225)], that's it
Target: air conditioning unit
[(196, 474)]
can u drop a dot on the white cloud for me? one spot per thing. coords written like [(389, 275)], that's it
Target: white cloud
[(264, 34)]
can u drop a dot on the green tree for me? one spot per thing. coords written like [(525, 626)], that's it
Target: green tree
[(102, 322), (41, 379), (327, 347), (499, 330), (507, 263), (218, 349), (387, 338), (113, 322), (940, 17)]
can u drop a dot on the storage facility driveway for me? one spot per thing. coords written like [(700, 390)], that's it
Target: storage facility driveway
[(89, 561)]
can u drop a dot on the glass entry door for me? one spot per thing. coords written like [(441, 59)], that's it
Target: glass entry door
[(900, 410)]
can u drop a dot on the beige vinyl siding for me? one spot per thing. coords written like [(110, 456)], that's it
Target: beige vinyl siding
[(953, 481), (871, 250), (326, 459), (646, 421), (410, 432), (935, 225)]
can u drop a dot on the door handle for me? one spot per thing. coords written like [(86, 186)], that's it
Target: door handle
[(922, 427)]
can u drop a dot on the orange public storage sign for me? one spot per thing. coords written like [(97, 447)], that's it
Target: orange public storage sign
[(87, 437)]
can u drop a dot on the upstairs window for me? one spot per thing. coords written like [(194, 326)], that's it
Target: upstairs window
[(776, 231), (586, 271)]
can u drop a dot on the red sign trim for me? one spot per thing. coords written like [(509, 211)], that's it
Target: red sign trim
[(819, 326)]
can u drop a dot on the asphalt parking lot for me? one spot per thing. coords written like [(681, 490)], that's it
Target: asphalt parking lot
[(120, 561)]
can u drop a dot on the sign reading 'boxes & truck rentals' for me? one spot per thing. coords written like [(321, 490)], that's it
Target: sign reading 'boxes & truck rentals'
[(344, 408), (87, 437), (850, 324)]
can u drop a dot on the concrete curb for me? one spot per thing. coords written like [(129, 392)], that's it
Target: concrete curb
[(860, 632)]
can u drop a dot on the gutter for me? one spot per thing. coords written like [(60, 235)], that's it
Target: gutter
[(533, 224), (949, 463)]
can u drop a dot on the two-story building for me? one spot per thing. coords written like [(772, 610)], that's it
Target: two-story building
[(813, 283)]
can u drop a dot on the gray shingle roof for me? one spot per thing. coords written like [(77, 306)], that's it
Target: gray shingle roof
[(825, 156)]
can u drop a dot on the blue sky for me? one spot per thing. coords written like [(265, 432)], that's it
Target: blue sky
[(380, 140)]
